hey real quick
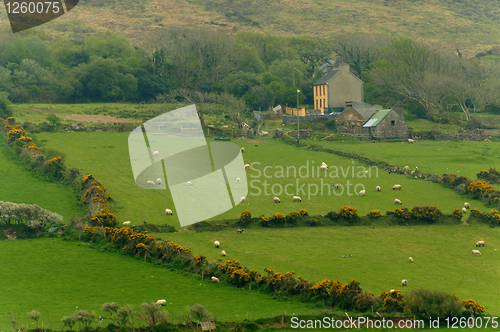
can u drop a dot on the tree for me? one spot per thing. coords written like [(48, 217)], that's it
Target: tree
[(259, 97), (85, 317), (69, 321), (150, 313), (35, 315), (5, 108), (53, 120), (199, 311)]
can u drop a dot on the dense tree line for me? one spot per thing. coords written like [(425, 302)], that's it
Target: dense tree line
[(259, 69)]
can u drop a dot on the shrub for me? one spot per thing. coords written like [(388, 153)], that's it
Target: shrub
[(332, 215), (480, 188), (473, 306), (277, 218), (374, 214), (313, 222), (245, 218), (264, 221), (457, 213), (389, 212), (293, 217), (349, 213), (393, 301), (426, 303), (105, 218), (365, 301), (491, 175), (303, 212)]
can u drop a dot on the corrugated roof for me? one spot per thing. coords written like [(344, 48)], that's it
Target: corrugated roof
[(328, 76), (376, 118)]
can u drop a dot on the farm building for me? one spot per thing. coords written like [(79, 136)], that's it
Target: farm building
[(354, 116), (386, 124), (336, 87)]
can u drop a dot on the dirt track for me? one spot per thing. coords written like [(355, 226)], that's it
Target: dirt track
[(98, 118)]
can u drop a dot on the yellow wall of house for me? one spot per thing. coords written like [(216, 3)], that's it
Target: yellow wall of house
[(320, 97), (293, 111)]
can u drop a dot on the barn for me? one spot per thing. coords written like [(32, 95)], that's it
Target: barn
[(386, 124)]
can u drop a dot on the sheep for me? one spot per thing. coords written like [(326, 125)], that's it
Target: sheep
[(277, 200), (464, 210), (476, 252), (404, 282), (396, 187), (240, 230), (211, 126), (247, 166), (158, 181), (242, 149), (335, 186), (242, 199), (161, 302), (217, 244), (238, 180), (188, 183), (410, 141), (410, 259), (265, 133), (151, 183), (467, 205), (126, 222), (215, 279), (378, 188), (324, 164), (168, 211), (223, 253), (362, 193), (323, 168), (480, 243), (156, 153), (225, 126), (397, 201), (407, 168), (297, 199)]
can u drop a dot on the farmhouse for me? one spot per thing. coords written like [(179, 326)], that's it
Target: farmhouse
[(354, 116), (386, 124), (336, 87)]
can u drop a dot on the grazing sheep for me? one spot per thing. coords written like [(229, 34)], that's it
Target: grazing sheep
[(161, 302), (410, 259), (407, 168), (366, 172), (323, 168), (410, 140), (151, 183), (225, 126), (335, 186), (396, 187), (242, 149), (126, 222), (362, 193), (247, 166), (397, 201), (156, 153), (238, 180), (217, 244), (168, 211), (480, 244), (344, 256), (158, 181), (464, 210), (277, 200), (378, 188), (404, 282), (223, 253), (476, 252), (242, 199), (214, 279), (265, 133), (210, 126), (296, 199), (323, 163), (188, 183), (240, 230), (467, 205)]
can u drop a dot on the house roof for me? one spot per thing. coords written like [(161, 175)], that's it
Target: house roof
[(327, 77), (376, 118)]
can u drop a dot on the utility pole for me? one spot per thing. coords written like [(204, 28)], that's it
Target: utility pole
[(298, 120)]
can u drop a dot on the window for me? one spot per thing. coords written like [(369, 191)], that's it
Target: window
[(320, 103), (317, 103), (393, 122), (323, 89), (316, 90), (324, 103)]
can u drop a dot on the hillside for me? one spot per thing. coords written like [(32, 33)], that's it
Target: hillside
[(468, 25)]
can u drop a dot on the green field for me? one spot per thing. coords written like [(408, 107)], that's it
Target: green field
[(106, 156), (19, 185), (56, 278)]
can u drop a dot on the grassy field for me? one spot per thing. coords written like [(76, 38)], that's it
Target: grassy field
[(442, 256), (56, 278), (106, 156), (19, 185)]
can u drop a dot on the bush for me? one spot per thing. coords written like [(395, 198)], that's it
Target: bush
[(293, 217), (349, 213), (278, 219), (245, 218), (264, 221), (457, 213), (491, 175), (393, 301), (313, 222), (473, 306), (374, 214), (332, 215), (303, 212), (479, 188), (427, 303)]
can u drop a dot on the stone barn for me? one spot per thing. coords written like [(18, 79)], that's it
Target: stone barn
[(355, 115), (386, 124)]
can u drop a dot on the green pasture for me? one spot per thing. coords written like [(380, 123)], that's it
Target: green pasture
[(442, 256), (18, 185), (56, 278), (105, 155)]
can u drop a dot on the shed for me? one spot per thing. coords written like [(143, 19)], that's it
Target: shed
[(386, 124)]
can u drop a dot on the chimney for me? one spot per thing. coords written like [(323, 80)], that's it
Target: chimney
[(344, 68)]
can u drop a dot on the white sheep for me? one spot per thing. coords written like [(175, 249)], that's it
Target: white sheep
[(247, 166), (277, 200), (396, 187), (242, 149), (467, 205), (476, 252), (156, 153), (297, 199), (410, 140), (240, 231), (323, 168), (189, 183), (161, 302), (397, 201), (378, 188), (410, 259), (362, 193), (151, 183), (480, 244), (407, 167), (223, 253), (217, 244), (335, 186), (168, 211), (211, 126), (265, 133), (158, 181), (242, 199), (324, 164), (126, 222), (225, 126), (404, 282), (214, 279), (238, 180), (464, 210)]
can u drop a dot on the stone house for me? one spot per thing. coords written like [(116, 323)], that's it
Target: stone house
[(354, 116), (386, 124)]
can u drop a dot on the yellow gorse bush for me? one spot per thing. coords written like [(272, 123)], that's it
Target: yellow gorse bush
[(472, 305)]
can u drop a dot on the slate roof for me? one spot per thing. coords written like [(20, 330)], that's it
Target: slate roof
[(327, 77), (376, 118), (364, 109)]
